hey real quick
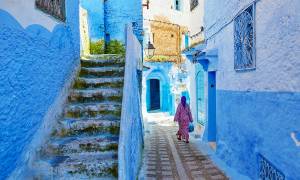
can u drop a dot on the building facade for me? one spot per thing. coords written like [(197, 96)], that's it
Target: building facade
[(170, 26), (251, 84), (195, 79)]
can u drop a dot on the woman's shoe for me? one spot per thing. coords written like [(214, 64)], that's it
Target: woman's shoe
[(187, 141), (179, 139)]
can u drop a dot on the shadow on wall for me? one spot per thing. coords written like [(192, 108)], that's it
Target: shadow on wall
[(34, 64), (264, 128)]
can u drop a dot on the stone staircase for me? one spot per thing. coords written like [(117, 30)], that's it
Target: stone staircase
[(84, 143)]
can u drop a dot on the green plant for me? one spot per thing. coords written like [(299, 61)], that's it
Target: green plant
[(97, 47), (114, 47)]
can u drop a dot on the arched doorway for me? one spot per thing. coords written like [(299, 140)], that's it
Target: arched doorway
[(154, 94), (157, 94)]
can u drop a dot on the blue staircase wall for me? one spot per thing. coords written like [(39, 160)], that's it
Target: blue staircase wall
[(34, 64)]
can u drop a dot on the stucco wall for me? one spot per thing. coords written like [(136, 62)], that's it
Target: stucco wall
[(166, 39), (131, 130), (167, 9), (35, 63), (257, 110), (119, 13), (84, 32), (192, 88), (110, 17), (164, 12), (95, 10), (196, 18), (26, 13)]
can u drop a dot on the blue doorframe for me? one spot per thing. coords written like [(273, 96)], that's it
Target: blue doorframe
[(164, 88), (211, 123), (200, 97)]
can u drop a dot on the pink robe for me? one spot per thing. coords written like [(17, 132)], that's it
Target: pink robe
[(183, 116)]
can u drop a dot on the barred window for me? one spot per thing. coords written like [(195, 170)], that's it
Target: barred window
[(244, 40), (55, 8), (194, 4), (268, 171)]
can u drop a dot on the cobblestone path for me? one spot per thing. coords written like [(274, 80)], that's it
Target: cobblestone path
[(166, 158)]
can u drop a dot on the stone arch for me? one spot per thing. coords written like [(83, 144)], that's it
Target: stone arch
[(165, 95)]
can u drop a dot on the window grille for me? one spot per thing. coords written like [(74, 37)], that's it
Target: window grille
[(194, 4), (244, 40), (55, 8), (267, 171)]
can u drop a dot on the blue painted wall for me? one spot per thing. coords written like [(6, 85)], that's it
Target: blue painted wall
[(258, 122), (257, 110), (95, 10), (110, 17), (119, 13), (33, 68)]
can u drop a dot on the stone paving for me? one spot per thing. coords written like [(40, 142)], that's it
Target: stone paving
[(166, 158)]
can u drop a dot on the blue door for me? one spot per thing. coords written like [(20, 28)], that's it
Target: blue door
[(154, 94), (211, 124), (200, 98)]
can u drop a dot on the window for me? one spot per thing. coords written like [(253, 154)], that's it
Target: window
[(178, 5), (267, 170), (55, 8), (244, 40), (193, 4)]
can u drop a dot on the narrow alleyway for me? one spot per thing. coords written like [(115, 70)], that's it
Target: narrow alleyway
[(167, 158)]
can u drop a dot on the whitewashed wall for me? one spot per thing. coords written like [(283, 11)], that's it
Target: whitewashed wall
[(192, 88), (166, 8), (131, 125), (84, 32), (25, 12), (196, 18), (257, 110), (277, 46)]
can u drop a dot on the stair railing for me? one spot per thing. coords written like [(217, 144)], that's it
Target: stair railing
[(131, 128)]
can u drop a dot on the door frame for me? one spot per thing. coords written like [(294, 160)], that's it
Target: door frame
[(211, 107), (197, 97)]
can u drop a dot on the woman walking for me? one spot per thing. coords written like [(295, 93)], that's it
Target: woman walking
[(183, 116)]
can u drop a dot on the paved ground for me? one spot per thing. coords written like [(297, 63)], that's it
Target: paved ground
[(167, 158)]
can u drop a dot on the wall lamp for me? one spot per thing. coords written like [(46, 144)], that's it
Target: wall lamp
[(149, 50), (147, 4)]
